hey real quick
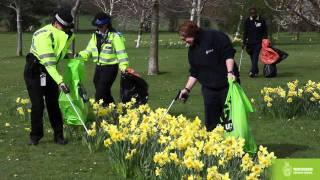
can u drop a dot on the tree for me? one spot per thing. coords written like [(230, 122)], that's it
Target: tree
[(197, 8), (16, 6), (107, 6), (308, 10), (74, 13), (193, 9), (142, 9), (153, 67)]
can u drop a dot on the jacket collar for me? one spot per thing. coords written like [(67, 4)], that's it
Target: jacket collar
[(198, 38), (257, 18)]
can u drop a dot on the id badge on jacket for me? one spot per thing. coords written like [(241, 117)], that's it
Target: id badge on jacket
[(43, 79)]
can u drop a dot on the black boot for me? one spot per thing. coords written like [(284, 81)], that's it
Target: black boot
[(33, 142), (60, 140)]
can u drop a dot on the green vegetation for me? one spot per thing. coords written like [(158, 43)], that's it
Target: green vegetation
[(292, 138)]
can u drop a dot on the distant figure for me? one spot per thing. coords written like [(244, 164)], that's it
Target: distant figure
[(255, 29)]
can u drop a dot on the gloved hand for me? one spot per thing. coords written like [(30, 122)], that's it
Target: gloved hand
[(76, 55), (184, 94), (232, 76), (123, 69), (63, 87)]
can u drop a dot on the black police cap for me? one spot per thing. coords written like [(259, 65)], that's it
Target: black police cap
[(64, 18)]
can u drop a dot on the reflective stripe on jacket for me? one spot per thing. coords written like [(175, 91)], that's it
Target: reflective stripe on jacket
[(50, 45), (112, 51)]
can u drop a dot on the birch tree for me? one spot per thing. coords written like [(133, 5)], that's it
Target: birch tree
[(197, 8), (107, 6), (193, 9), (74, 13), (142, 9), (16, 6), (308, 10)]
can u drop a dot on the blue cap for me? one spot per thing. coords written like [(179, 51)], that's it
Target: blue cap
[(101, 22)]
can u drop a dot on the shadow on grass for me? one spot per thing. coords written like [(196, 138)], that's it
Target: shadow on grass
[(285, 150), (287, 74), (163, 72)]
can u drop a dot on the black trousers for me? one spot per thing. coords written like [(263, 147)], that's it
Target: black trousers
[(38, 95), (254, 50), (103, 79), (214, 100)]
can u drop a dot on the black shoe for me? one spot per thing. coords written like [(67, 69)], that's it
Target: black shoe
[(252, 75), (33, 142), (60, 141)]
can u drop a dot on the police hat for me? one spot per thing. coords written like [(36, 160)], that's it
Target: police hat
[(64, 18), (101, 19)]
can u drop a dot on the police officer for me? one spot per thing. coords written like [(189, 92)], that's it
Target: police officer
[(50, 45), (255, 29), (211, 63), (106, 48)]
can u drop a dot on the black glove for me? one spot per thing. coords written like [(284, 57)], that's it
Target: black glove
[(183, 97), (63, 87)]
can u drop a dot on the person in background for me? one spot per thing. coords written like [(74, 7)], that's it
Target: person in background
[(50, 45), (255, 29), (211, 63), (107, 49)]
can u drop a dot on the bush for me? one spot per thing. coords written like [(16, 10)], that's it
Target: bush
[(293, 101)]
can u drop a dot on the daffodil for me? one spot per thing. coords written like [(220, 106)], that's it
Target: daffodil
[(130, 154), (25, 101), (20, 111), (92, 132), (107, 142), (18, 100), (158, 171)]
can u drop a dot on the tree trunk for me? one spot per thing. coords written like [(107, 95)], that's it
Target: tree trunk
[(172, 23), (153, 68), (193, 10), (237, 35), (125, 23), (19, 29), (298, 33), (278, 30), (111, 7), (141, 22), (75, 15), (199, 13)]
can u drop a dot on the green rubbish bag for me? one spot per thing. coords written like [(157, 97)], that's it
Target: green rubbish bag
[(74, 74), (234, 117)]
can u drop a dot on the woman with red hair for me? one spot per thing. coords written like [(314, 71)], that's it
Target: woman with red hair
[(211, 59)]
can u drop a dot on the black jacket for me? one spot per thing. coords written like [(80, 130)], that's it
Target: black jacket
[(255, 29), (207, 58)]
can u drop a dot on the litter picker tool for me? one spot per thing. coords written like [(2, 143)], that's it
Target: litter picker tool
[(172, 102), (75, 110), (241, 57)]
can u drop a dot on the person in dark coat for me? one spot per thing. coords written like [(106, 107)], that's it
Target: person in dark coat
[(255, 29), (211, 64)]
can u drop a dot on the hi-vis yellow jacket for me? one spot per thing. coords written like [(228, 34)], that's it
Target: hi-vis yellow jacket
[(50, 45), (112, 51)]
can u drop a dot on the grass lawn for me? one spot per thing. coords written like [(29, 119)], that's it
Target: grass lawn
[(296, 138)]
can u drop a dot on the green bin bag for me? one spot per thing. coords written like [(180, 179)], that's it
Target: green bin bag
[(74, 74), (234, 118)]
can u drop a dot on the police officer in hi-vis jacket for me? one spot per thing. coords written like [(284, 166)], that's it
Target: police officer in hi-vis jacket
[(107, 50), (50, 45)]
